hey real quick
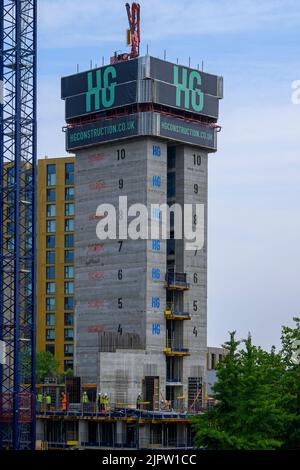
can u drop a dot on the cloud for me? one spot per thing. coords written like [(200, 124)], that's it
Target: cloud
[(71, 23)]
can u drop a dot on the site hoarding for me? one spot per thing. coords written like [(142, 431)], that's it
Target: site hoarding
[(141, 124), (122, 84)]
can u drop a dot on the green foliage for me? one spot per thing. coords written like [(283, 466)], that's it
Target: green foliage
[(257, 398), (46, 366)]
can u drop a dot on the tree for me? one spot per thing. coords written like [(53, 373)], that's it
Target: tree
[(290, 352), (252, 397), (46, 366)]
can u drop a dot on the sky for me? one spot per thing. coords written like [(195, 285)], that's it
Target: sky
[(254, 178)]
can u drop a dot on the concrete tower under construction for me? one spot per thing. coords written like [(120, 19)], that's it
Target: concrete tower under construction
[(142, 131)]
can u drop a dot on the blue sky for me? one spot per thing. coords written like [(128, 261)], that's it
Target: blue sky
[(254, 179)]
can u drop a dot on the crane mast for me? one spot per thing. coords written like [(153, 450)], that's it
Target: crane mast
[(134, 18), (18, 26), (133, 34)]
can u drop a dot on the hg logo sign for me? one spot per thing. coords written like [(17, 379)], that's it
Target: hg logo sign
[(189, 94), (104, 92)]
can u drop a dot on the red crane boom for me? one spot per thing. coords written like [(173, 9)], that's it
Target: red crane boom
[(134, 18)]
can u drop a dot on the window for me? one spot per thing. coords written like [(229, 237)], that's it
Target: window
[(50, 335), (69, 303), (50, 348), (50, 241), (171, 157), (51, 195), (69, 209), (69, 288), (69, 272), (50, 319), (69, 225), (171, 185), (69, 241), (69, 194), (51, 175), (68, 365), (69, 319), (69, 334), (50, 272), (69, 256), (69, 350), (50, 288), (50, 304), (51, 210), (50, 257), (213, 361), (51, 226), (69, 173)]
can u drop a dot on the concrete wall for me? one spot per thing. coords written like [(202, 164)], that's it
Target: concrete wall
[(115, 284), (188, 174), (120, 294)]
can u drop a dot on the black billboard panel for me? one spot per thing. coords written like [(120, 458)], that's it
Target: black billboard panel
[(101, 131), (141, 124), (185, 78), (189, 132), (99, 100), (102, 77), (193, 100)]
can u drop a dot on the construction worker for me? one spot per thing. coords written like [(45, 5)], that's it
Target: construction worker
[(48, 401), (85, 401), (99, 402), (102, 400), (64, 401), (106, 402), (138, 401), (39, 401)]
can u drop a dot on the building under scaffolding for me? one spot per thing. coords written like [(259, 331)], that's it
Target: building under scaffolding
[(121, 428)]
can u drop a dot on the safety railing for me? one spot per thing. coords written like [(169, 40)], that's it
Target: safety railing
[(176, 280), (173, 313), (176, 347)]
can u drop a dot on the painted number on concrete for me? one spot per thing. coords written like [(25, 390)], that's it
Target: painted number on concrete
[(156, 245), (156, 329), (156, 181), (155, 273), (155, 302), (156, 151)]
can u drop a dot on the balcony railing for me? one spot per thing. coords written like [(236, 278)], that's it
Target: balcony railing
[(171, 313), (173, 349), (176, 281)]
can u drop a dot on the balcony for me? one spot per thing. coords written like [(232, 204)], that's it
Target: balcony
[(173, 314), (176, 281), (175, 349)]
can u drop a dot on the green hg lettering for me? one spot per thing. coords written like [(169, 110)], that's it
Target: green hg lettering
[(104, 92), (190, 86)]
